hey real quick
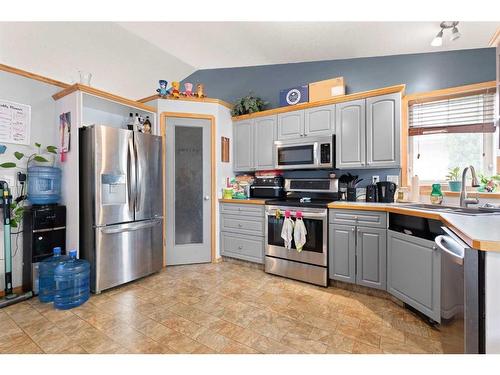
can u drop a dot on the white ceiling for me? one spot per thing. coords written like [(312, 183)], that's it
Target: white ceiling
[(205, 45)]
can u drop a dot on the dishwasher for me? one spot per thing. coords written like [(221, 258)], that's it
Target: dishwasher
[(434, 272)]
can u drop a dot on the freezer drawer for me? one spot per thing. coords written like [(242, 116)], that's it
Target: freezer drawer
[(126, 252)]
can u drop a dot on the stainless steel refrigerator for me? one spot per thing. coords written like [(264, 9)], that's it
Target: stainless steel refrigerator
[(121, 204)]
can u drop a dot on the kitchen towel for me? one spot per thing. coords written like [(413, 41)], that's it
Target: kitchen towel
[(299, 234), (287, 232)]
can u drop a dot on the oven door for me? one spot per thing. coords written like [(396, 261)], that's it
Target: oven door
[(296, 155), (315, 248)]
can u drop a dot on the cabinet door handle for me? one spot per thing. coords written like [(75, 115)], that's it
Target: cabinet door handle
[(352, 229), (240, 247), (240, 225)]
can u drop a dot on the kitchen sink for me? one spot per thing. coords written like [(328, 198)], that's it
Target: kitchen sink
[(454, 209)]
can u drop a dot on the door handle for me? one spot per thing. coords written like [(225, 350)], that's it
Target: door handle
[(131, 173), (206, 198), (138, 182), (131, 227), (458, 254)]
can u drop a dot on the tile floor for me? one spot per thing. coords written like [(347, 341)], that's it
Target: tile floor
[(218, 308)]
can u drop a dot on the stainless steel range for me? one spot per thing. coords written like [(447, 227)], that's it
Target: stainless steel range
[(310, 197)]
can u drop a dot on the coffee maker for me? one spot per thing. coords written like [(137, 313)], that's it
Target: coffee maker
[(386, 191)]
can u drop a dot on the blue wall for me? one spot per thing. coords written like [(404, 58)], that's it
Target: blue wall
[(420, 72)]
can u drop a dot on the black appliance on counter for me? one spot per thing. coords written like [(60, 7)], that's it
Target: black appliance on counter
[(386, 191), (371, 193), (44, 227), (268, 187)]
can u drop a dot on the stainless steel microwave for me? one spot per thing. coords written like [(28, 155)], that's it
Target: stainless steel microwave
[(311, 153)]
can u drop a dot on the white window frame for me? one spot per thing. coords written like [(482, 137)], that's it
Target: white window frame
[(490, 146)]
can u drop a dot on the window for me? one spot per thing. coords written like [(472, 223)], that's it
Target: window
[(453, 131)]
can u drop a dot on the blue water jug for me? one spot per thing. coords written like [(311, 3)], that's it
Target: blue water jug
[(72, 283), (46, 282), (44, 185)]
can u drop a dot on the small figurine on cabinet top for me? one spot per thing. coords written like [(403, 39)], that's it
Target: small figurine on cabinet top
[(162, 91), (175, 89), (200, 90), (188, 89)]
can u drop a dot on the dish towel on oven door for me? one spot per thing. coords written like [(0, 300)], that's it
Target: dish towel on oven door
[(299, 233), (287, 231)]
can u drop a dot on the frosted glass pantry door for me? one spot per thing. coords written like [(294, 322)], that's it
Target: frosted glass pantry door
[(188, 185)]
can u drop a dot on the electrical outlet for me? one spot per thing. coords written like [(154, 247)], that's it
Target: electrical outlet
[(393, 178), (375, 179)]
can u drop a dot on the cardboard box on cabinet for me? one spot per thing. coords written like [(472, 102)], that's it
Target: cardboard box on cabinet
[(326, 89)]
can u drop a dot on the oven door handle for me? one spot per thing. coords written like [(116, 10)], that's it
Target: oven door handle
[(305, 215)]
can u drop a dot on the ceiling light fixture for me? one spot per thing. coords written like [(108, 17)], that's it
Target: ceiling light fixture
[(455, 34)]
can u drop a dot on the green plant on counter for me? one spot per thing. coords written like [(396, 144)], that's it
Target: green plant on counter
[(489, 184), (453, 174), (17, 208), (248, 104)]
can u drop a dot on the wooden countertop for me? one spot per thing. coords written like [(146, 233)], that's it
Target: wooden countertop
[(477, 231), (243, 201)]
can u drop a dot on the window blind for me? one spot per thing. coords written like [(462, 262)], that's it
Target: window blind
[(467, 113)]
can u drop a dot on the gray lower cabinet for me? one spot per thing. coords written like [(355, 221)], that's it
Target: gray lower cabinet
[(371, 253), (242, 231), (350, 134), (414, 273), (242, 246), (243, 149), (342, 253), (253, 147), (383, 131), (358, 247)]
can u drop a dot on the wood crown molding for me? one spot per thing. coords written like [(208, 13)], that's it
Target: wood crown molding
[(36, 77), (188, 99), (338, 99), (450, 92), (495, 39), (102, 94)]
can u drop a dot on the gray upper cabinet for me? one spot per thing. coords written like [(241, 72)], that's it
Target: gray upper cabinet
[(243, 148), (290, 125), (371, 253), (383, 131), (342, 253), (414, 273), (320, 121), (350, 134), (265, 135)]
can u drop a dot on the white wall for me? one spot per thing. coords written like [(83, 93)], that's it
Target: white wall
[(120, 61), (44, 130), (224, 128)]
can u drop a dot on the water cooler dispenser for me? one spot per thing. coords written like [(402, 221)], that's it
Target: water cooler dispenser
[(44, 227)]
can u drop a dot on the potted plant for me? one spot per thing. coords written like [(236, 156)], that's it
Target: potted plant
[(40, 157), (453, 179), (248, 104), (488, 184)]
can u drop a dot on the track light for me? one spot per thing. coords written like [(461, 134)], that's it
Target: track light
[(438, 39), (455, 34)]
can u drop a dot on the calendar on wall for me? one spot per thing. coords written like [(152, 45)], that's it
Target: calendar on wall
[(15, 122)]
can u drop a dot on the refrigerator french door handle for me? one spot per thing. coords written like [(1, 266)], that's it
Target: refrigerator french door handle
[(131, 227), (138, 180), (132, 175)]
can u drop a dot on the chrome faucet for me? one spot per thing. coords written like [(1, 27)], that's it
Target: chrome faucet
[(464, 201)]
